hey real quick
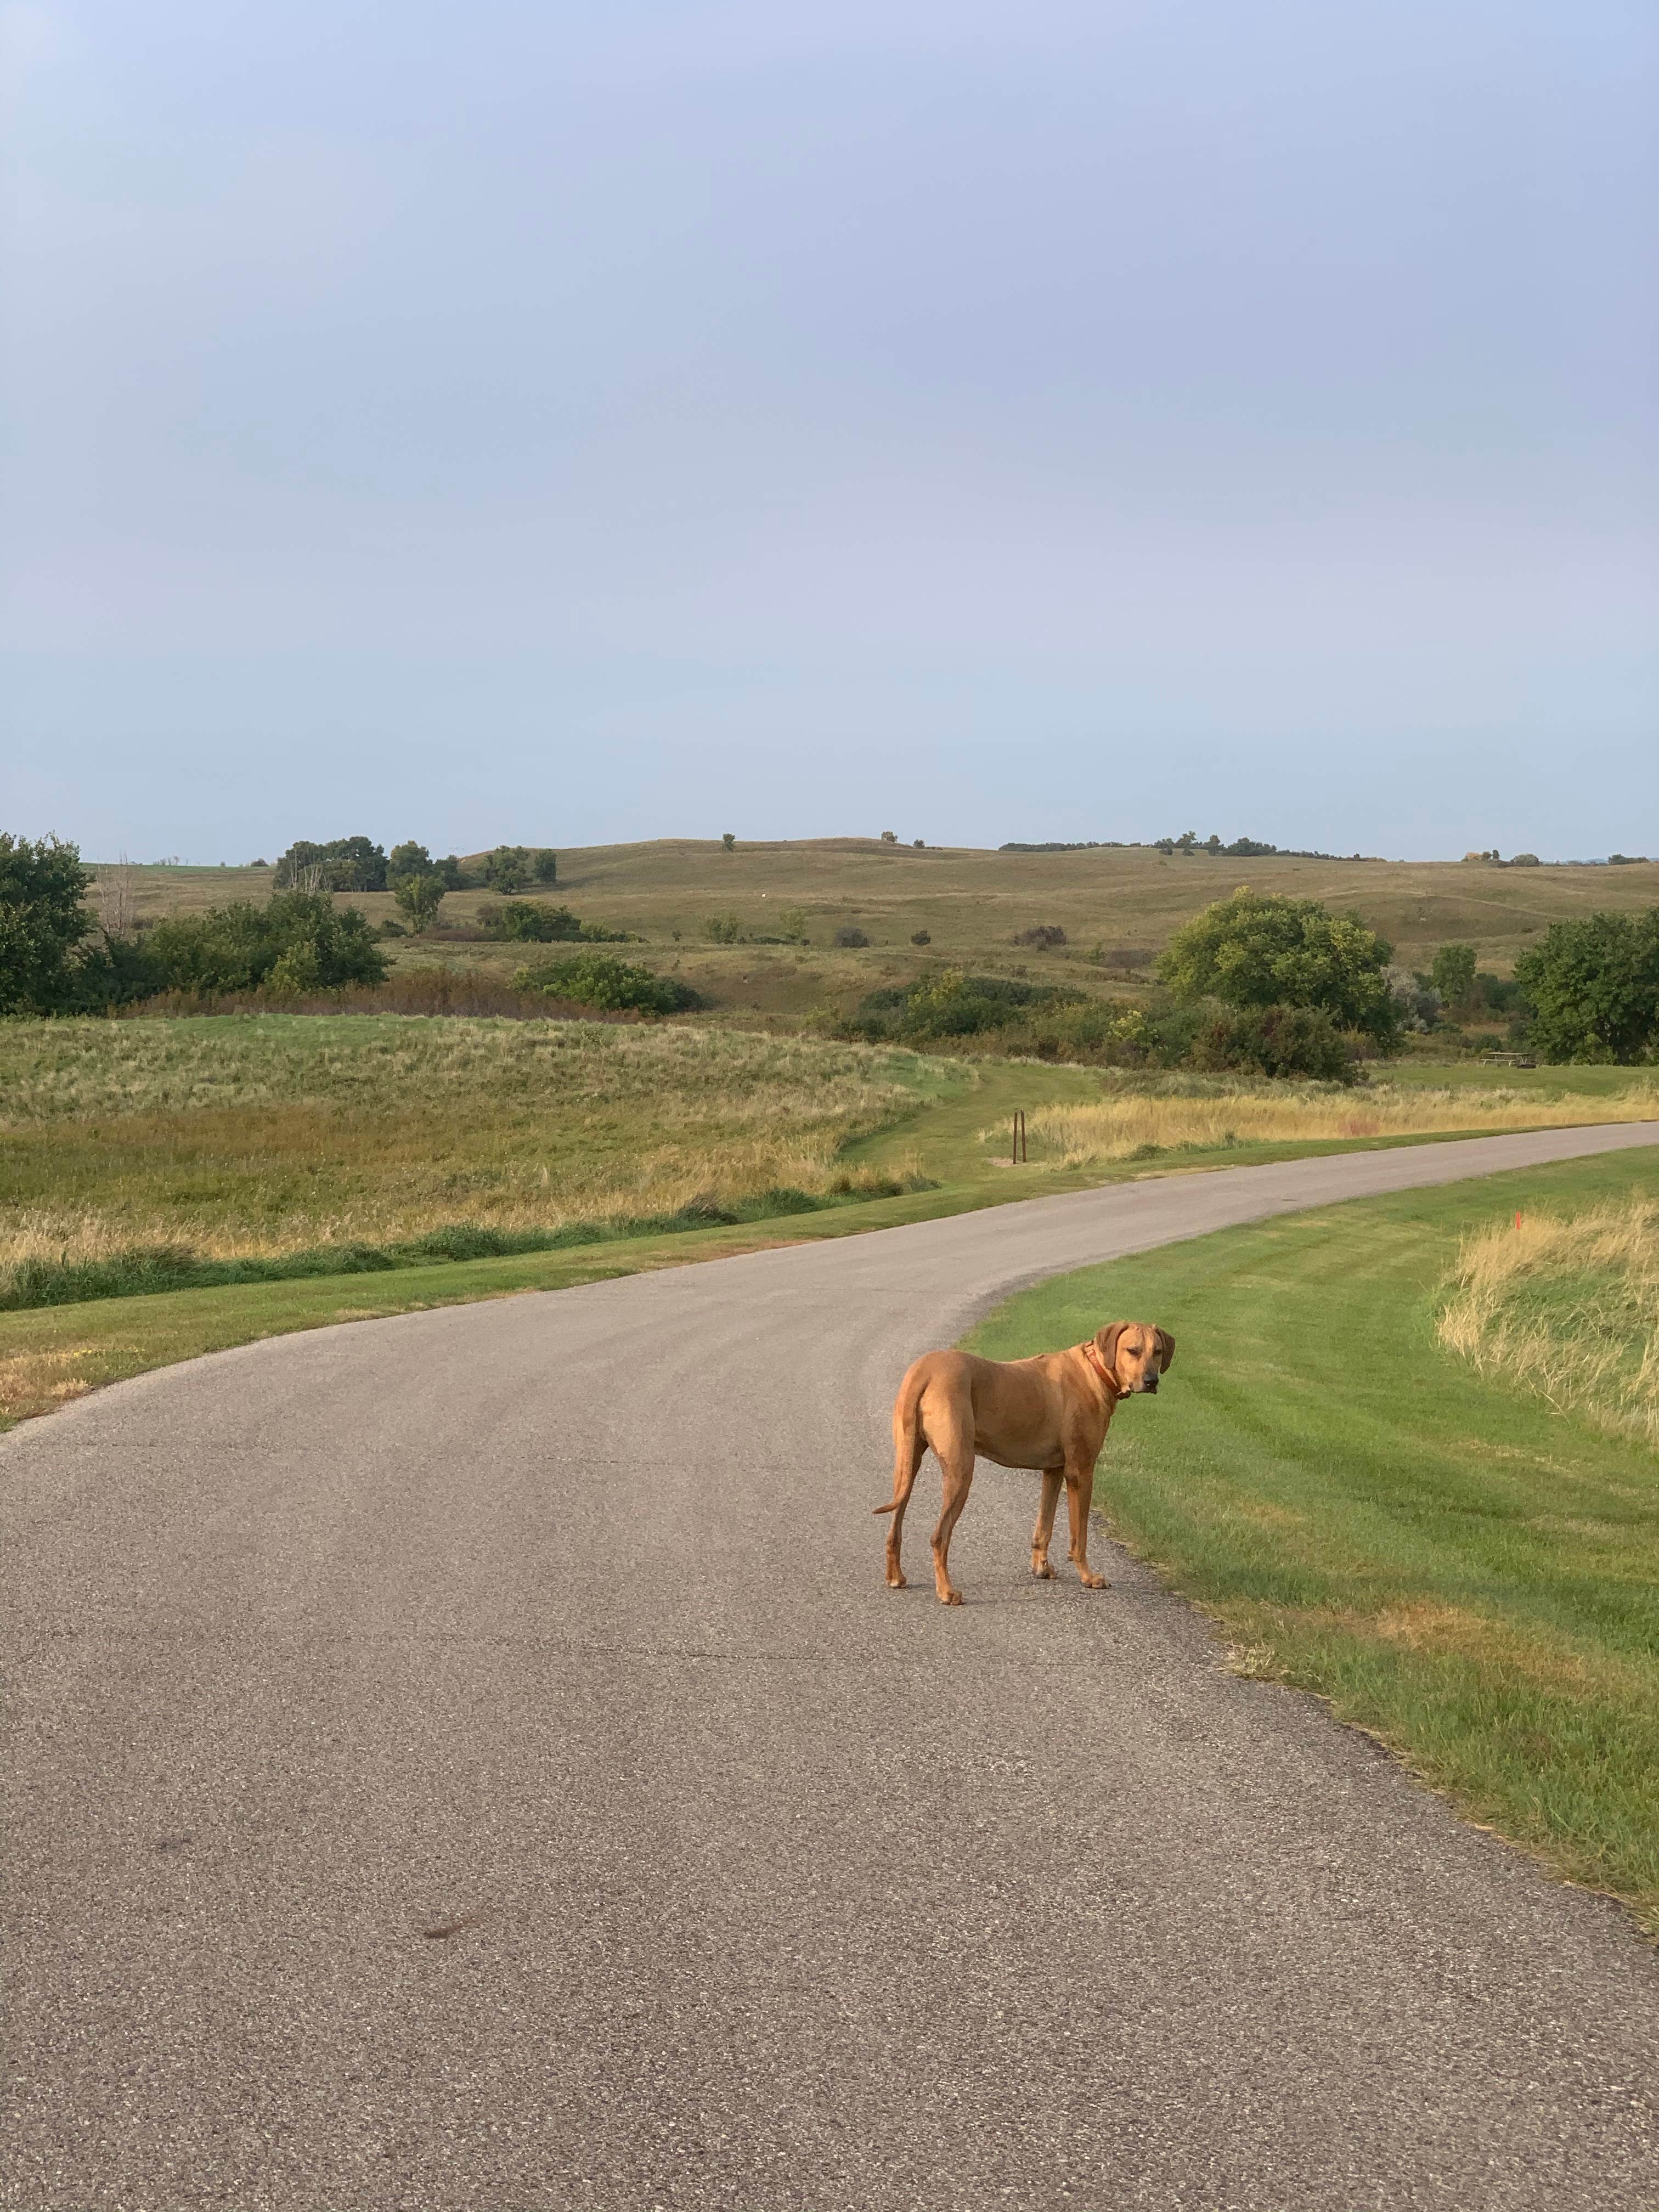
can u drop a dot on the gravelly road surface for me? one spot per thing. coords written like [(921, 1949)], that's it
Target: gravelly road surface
[(559, 1623)]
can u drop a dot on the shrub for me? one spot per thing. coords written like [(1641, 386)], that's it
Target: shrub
[(1260, 950), (728, 840), (1592, 987), (1044, 937), (1524, 860), (533, 921), (889, 837), (545, 865), (722, 929), (791, 925), (1276, 1041), (921, 937), (43, 927), (345, 864), (849, 936), (920, 846), (599, 979), (295, 942)]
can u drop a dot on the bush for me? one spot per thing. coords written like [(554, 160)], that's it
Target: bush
[(849, 937), (296, 943), (44, 927), (728, 840), (345, 864), (545, 865), (722, 929), (1044, 937), (531, 921), (1592, 987), (599, 979), (1255, 950), (1451, 973), (791, 925), (889, 837), (921, 937), (507, 868), (1277, 1042)]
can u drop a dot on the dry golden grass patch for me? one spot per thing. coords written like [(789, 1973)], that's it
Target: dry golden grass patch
[(1568, 1304), (1126, 1122), (243, 1136)]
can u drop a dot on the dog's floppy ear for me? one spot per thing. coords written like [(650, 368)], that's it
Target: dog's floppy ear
[(1106, 1342), (1165, 1351)]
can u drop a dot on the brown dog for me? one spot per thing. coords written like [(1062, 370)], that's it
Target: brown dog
[(1051, 1413)]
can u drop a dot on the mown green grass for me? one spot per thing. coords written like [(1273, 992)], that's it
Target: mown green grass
[(1457, 1567)]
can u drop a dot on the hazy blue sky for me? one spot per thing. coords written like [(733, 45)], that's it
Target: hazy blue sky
[(1052, 420)]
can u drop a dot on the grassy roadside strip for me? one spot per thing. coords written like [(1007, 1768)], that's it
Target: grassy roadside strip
[(52, 1354), (1466, 1573)]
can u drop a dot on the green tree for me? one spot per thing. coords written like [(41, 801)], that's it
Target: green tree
[(722, 929), (1592, 987), (506, 868), (419, 898), (1452, 974), (409, 860), (44, 926), (1259, 950), (545, 865), (728, 840), (344, 864)]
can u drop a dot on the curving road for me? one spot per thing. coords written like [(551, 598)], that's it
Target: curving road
[(558, 1625)]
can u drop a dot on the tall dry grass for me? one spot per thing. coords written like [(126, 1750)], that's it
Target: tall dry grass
[(1183, 1116), (253, 1137), (1568, 1306)]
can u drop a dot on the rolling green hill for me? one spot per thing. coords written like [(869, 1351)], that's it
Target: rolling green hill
[(1118, 907)]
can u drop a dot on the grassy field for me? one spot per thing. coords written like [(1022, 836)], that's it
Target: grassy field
[(1118, 907), (1460, 1565), (255, 1135)]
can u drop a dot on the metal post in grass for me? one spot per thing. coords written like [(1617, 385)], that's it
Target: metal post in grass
[(1019, 1149)]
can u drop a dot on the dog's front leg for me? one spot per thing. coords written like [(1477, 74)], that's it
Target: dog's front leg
[(1079, 1494), (1042, 1534)]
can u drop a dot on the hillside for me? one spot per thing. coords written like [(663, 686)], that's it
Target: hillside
[(1118, 907)]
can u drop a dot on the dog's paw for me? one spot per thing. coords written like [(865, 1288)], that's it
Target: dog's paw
[(1094, 1582), (950, 1597), (1043, 1571), (898, 1582)]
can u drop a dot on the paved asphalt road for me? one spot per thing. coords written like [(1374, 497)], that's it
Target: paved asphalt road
[(559, 1623)]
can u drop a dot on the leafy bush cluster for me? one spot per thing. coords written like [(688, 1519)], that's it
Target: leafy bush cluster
[(533, 921), (1255, 950), (297, 942), (601, 979)]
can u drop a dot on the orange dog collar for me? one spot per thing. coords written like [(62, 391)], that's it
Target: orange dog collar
[(1091, 1352)]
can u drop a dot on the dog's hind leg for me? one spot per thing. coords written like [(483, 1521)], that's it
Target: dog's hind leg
[(956, 1460), (1042, 1534), (912, 1450)]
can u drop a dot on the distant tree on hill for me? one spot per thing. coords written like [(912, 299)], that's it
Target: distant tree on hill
[(1451, 973), (419, 898), (728, 840), (507, 868), (409, 860), (344, 864)]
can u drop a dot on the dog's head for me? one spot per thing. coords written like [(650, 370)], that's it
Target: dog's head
[(1136, 1353)]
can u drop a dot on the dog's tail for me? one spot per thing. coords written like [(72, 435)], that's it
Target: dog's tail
[(909, 1445)]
